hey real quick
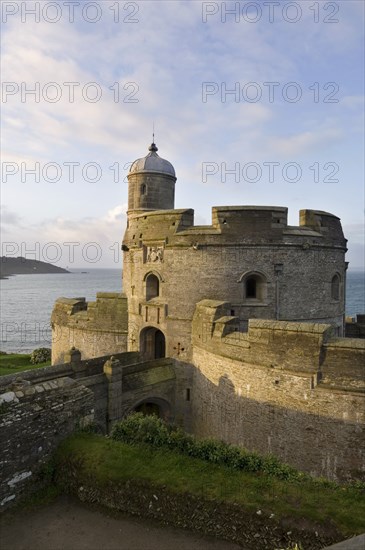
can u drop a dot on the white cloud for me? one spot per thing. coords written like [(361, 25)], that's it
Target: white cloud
[(168, 54), (354, 102), (298, 144), (76, 243), (9, 218)]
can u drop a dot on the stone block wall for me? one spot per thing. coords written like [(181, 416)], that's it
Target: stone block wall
[(43, 407), (344, 362), (355, 328), (34, 418), (295, 269), (95, 328), (282, 388), (162, 382)]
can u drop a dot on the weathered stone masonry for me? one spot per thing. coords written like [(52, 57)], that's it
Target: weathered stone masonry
[(45, 405), (34, 419), (237, 327), (97, 328), (284, 388)]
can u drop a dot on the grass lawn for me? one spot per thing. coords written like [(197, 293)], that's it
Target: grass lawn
[(105, 460), (11, 363)]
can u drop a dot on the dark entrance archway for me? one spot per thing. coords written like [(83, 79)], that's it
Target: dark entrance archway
[(154, 405), (147, 408), (152, 343)]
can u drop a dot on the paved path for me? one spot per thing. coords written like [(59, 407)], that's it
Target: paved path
[(66, 524), (357, 543)]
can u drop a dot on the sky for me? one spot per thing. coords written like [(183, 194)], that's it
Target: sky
[(254, 103)]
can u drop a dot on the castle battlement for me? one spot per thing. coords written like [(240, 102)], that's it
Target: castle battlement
[(234, 225), (286, 388), (91, 326), (299, 347)]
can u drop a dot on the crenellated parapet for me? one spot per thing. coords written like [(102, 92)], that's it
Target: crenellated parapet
[(280, 345), (234, 225), (96, 328), (248, 256), (290, 389)]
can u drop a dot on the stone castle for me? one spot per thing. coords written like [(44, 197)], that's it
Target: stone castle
[(233, 330), (248, 257), (249, 314)]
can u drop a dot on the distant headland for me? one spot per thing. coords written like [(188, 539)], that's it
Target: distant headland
[(22, 266)]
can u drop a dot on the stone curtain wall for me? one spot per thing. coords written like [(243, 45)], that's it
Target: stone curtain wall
[(95, 328), (281, 388), (34, 418), (317, 430)]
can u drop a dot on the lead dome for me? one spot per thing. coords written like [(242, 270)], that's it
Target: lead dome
[(152, 163)]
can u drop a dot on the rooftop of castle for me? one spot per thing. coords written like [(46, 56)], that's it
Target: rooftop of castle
[(152, 163)]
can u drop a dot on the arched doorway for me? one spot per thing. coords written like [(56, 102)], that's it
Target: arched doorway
[(154, 405), (147, 408), (152, 343), (160, 346)]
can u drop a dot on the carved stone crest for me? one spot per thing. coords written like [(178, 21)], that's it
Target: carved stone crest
[(155, 254)]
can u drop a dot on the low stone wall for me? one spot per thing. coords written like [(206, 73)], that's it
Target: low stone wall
[(224, 520), (43, 406), (34, 418)]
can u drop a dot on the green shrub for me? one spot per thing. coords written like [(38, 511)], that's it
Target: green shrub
[(40, 355), (154, 431), (126, 429), (137, 428), (211, 450), (151, 430), (180, 441)]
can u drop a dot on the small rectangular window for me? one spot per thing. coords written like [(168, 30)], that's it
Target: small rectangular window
[(187, 394)]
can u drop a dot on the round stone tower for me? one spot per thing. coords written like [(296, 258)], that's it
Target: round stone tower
[(151, 183), (248, 257)]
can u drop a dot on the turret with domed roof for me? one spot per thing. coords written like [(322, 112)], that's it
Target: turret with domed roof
[(151, 183)]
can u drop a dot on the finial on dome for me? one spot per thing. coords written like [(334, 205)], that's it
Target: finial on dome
[(153, 147)]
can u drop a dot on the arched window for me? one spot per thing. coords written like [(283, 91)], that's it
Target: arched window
[(143, 189), (251, 287), (335, 287), (152, 287), (254, 287)]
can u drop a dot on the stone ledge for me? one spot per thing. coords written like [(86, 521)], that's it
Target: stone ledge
[(349, 343), (26, 390), (290, 326), (114, 295)]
